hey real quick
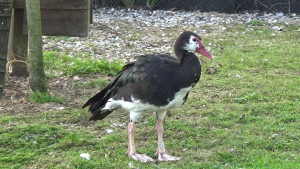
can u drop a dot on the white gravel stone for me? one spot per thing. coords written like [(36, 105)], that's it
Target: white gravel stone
[(85, 156), (109, 131)]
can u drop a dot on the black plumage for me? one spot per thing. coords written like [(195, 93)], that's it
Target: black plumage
[(152, 79)]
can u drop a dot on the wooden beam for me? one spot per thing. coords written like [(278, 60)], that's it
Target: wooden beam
[(57, 22), (57, 4)]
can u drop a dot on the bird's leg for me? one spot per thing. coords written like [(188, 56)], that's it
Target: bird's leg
[(131, 130), (161, 151), (131, 149)]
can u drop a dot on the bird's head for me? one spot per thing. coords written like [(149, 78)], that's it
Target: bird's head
[(189, 41)]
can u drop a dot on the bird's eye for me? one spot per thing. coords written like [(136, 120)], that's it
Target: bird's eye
[(194, 39)]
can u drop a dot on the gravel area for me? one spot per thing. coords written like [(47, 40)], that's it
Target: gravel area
[(121, 34)]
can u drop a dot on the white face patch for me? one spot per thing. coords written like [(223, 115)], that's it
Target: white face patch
[(192, 44)]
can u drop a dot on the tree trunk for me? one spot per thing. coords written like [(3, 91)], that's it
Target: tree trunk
[(37, 79)]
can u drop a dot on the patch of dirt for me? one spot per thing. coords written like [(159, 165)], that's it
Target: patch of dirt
[(15, 98)]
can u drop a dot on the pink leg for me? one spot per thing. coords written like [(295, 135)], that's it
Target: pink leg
[(161, 151), (131, 149)]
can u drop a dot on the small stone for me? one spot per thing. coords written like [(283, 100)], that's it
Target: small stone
[(211, 70), (58, 108), (184, 149), (279, 14), (277, 28), (85, 156), (275, 136), (130, 165), (76, 78), (109, 131)]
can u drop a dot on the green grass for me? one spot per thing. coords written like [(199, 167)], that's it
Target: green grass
[(60, 64), (247, 115), (38, 97), (255, 23)]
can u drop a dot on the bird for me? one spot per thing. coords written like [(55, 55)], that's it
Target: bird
[(152, 83)]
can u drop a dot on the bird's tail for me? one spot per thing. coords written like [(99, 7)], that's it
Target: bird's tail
[(97, 102), (100, 114)]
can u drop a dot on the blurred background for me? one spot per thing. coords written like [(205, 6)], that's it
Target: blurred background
[(228, 6)]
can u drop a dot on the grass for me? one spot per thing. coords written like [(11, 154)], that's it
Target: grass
[(244, 116), (255, 23), (151, 3), (60, 64), (129, 3), (38, 97)]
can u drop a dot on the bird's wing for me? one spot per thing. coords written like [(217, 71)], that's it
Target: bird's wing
[(152, 79)]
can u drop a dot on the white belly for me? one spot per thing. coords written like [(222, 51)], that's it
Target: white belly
[(138, 107)]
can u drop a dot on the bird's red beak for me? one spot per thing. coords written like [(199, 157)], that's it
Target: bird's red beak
[(203, 51)]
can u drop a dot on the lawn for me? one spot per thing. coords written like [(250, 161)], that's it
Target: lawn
[(246, 115)]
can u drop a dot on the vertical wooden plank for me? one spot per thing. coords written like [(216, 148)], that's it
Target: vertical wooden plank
[(19, 43), (91, 11), (3, 49), (5, 20)]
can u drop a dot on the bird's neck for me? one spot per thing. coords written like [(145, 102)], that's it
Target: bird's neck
[(181, 54), (191, 68), (190, 61), (187, 58)]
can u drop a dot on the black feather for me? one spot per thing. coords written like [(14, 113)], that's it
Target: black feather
[(100, 114), (152, 79), (98, 101)]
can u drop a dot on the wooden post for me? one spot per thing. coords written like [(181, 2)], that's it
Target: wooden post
[(91, 12), (19, 45)]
